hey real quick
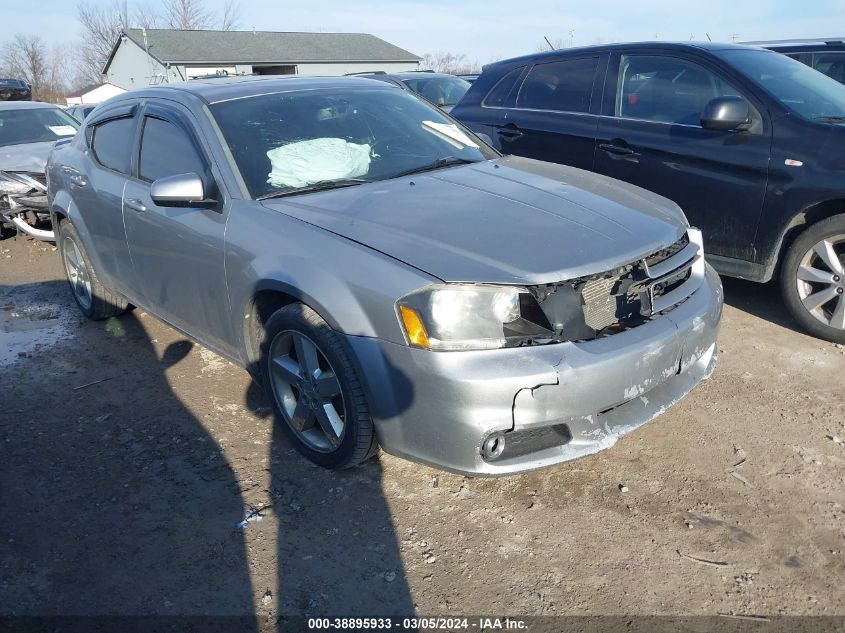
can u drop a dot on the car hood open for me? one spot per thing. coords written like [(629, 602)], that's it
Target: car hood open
[(511, 220), (25, 157)]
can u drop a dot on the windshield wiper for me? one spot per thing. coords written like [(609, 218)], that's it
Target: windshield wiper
[(830, 118), (322, 185), (446, 161)]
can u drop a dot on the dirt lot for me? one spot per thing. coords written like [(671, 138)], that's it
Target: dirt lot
[(120, 497)]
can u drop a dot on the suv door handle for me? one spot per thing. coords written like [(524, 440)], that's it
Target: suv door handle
[(510, 131), (619, 150), (135, 205)]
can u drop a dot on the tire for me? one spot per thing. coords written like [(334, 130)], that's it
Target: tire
[(94, 300), (304, 407), (811, 273)]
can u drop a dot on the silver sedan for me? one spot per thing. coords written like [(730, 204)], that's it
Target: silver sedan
[(386, 276)]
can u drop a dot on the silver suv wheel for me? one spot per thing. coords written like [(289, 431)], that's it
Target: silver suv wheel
[(821, 281)]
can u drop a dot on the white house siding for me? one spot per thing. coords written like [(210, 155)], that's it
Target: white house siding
[(97, 95), (133, 68)]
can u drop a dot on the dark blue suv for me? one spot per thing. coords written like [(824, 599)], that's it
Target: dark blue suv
[(747, 141)]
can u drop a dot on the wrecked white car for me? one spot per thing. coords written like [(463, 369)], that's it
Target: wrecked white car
[(28, 131)]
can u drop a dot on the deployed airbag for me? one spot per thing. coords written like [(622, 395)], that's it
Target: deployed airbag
[(306, 162)]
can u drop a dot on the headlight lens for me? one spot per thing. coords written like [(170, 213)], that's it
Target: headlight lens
[(470, 317), (11, 185)]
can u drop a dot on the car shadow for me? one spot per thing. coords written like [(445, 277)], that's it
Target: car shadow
[(338, 553), (761, 300), (116, 500)]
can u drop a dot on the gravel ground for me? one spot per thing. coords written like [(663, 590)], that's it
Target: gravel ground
[(128, 454)]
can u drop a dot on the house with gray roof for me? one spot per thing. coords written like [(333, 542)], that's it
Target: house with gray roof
[(144, 57)]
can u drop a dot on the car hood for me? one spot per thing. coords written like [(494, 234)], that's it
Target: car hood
[(25, 157), (511, 220)]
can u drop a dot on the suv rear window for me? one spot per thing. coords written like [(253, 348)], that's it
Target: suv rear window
[(564, 86)]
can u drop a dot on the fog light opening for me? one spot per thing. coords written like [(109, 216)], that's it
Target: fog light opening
[(493, 446)]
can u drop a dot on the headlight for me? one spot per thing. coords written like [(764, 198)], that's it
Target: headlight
[(471, 316), (11, 185)]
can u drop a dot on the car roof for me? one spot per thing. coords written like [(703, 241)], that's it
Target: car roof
[(214, 90), (808, 42), (25, 105), (405, 74), (672, 46), (410, 74)]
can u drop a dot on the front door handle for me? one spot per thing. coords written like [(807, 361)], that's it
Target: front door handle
[(619, 150), (135, 205), (510, 132)]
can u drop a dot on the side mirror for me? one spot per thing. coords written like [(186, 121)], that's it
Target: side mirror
[(181, 190), (726, 113)]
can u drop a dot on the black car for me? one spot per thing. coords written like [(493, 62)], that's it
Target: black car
[(825, 55), (440, 89), (15, 90), (747, 141)]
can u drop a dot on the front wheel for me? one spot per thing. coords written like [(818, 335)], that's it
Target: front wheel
[(813, 279), (316, 393)]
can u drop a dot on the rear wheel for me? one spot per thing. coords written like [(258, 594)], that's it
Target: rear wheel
[(94, 300), (316, 393), (813, 279)]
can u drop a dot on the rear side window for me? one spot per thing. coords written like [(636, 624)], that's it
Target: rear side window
[(565, 86), (167, 150), (112, 143), (666, 89), (498, 96)]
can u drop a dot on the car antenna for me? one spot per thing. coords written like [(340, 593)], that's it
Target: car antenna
[(708, 37), (548, 42)]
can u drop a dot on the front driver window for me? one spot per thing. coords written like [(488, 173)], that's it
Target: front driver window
[(666, 89), (167, 150), (831, 64)]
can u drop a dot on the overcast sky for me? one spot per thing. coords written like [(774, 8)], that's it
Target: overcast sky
[(495, 29)]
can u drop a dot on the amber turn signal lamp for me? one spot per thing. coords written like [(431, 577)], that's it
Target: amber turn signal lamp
[(414, 327)]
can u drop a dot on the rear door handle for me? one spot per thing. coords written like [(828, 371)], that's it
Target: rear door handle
[(74, 177), (619, 150), (135, 205)]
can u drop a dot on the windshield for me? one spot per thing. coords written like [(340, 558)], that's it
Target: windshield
[(803, 90), (441, 91), (287, 142), (35, 125)]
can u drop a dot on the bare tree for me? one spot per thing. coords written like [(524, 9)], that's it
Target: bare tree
[(100, 27), (452, 63), (188, 15), (231, 17), (25, 56), (146, 17)]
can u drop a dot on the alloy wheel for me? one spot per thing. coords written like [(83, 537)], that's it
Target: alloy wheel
[(821, 281), (77, 272), (307, 390)]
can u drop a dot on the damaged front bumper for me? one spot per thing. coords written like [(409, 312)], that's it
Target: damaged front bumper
[(27, 211), (504, 411)]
